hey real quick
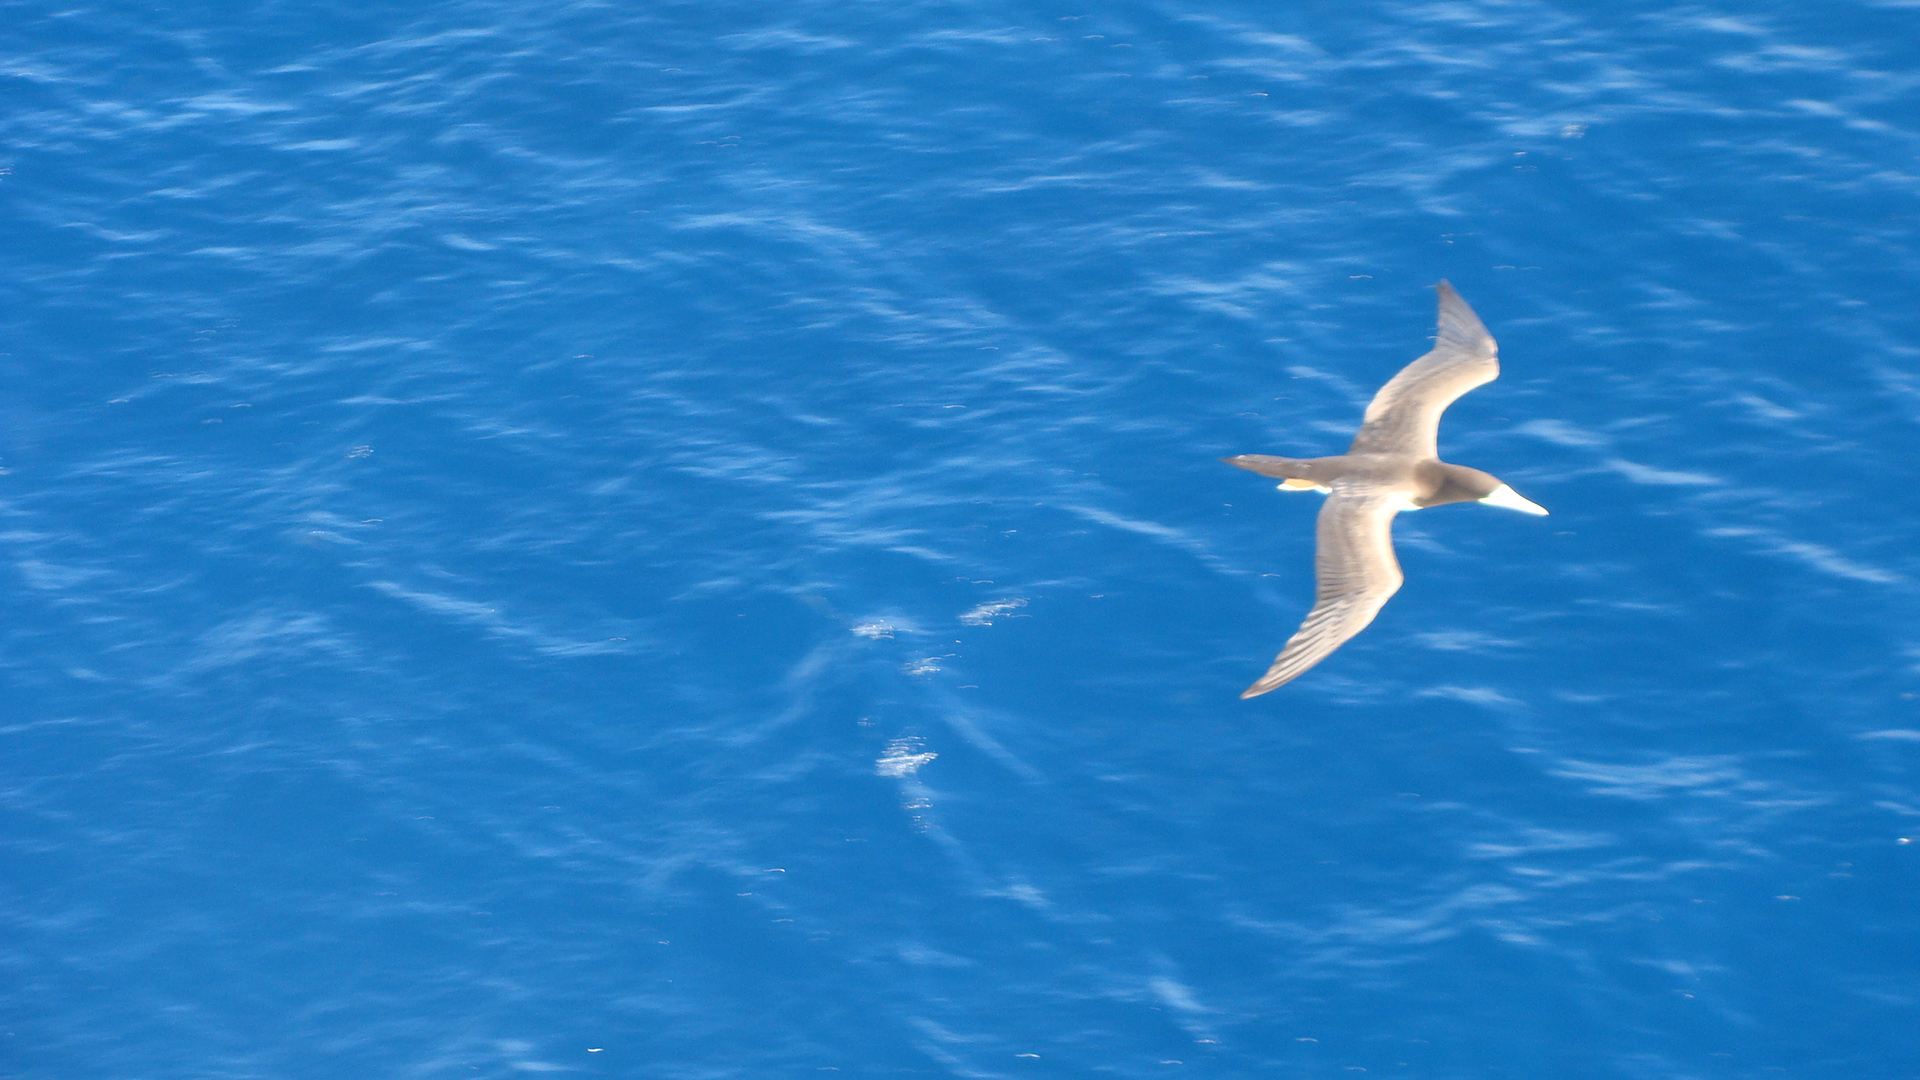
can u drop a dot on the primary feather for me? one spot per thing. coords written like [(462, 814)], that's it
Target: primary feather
[(1354, 571), (1404, 417)]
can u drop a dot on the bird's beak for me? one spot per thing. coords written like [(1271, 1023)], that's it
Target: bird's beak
[(1509, 498)]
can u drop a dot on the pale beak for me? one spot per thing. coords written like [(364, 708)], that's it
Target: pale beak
[(1509, 498)]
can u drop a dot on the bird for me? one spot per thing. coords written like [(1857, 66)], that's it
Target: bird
[(1393, 465)]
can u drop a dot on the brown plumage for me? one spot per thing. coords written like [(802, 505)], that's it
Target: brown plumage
[(1393, 465)]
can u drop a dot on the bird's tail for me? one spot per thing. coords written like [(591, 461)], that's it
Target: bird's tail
[(1282, 468)]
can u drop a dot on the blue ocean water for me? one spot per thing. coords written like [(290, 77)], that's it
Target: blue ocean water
[(686, 541)]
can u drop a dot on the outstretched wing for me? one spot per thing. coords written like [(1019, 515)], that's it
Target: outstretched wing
[(1404, 417), (1356, 572)]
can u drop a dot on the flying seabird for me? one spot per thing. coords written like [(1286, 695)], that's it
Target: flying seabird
[(1393, 465)]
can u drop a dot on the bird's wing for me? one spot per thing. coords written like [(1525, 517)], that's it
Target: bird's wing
[(1404, 417), (1356, 572)]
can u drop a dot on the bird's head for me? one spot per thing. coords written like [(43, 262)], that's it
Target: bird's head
[(1457, 483)]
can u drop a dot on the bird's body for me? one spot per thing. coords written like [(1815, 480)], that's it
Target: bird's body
[(1393, 465)]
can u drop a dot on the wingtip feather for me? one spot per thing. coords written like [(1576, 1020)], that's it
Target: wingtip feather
[(1267, 683), (1459, 326)]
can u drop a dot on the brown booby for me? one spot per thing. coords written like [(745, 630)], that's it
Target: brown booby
[(1393, 465)]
